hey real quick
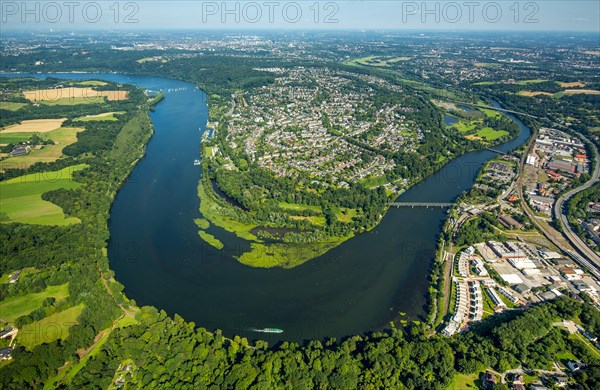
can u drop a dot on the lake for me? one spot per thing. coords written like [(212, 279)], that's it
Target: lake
[(357, 287)]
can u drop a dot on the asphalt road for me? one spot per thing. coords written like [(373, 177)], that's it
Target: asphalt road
[(560, 213), (592, 265)]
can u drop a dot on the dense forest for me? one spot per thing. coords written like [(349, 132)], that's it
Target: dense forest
[(164, 352), (73, 254)]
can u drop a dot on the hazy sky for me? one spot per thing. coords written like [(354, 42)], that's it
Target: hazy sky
[(68, 15)]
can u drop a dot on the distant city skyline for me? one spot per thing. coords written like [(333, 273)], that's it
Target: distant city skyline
[(546, 15)]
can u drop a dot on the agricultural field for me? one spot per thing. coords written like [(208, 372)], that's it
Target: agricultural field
[(34, 126), (490, 134), (55, 326), (74, 101), (11, 106), (92, 83), (14, 138), (526, 82), (62, 137), (152, 59), (21, 305), (107, 116), (464, 127), (583, 91), (73, 94), (534, 93), (515, 82), (486, 65), (571, 85), (21, 197), (377, 61), (472, 129)]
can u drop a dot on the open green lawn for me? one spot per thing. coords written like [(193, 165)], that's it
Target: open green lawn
[(73, 101), (209, 150), (53, 327), (91, 83), (107, 117), (127, 321), (343, 214), (20, 305), (11, 106), (490, 134), (378, 61), (319, 221), (486, 133), (14, 138), (520, 82), (491, 113), (565, 356), (63, 137), (464, 381), (488, 306), (398, 59), (21, 197), (532, 81), (299, 207), (464, 127), (370, 61), (374, 181), (346, 215), (530, 378)]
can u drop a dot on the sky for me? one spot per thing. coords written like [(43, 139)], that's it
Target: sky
[(368, 15)]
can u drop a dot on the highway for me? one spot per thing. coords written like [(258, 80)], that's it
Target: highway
[(550, 233), (560, 213)]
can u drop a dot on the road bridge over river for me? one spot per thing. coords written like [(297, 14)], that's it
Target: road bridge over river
[(496, 109), (420, 204)]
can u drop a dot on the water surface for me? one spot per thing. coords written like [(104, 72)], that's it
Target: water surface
[(359, 286)]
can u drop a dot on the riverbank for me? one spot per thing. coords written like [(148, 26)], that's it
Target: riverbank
[(441, 293), (355, 287), (228, 214), (261, 254)]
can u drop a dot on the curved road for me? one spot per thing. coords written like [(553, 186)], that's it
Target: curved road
[(593, 265), (560, 212)]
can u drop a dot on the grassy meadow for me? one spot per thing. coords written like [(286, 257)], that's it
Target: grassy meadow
[(21, 305), (21, 197)]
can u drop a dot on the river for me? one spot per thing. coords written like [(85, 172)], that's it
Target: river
[(359, 286)]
